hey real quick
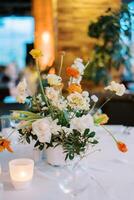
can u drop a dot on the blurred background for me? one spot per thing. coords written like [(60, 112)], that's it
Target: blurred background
[(101, 31)]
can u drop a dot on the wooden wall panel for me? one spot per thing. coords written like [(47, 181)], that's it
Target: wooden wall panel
[(73, 18)]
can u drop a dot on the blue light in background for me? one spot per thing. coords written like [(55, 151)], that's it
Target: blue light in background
[(15, 33)]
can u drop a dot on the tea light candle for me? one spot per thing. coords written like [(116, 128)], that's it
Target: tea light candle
[(21, 172)]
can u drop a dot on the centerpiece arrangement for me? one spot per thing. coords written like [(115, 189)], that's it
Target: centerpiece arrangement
[(62, 124)]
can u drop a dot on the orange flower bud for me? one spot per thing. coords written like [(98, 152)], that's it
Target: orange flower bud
[(70, 71), (122, 147)]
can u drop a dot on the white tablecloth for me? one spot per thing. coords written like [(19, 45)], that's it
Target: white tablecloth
[(113, 170)]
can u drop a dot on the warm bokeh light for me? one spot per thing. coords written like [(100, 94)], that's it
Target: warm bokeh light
[(44, 36), (47, 48)]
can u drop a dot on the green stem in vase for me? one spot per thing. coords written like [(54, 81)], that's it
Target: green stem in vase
[(41, 87), (40, 82)]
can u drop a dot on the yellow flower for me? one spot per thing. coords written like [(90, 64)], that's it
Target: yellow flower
[(36, 53), (101, 119)]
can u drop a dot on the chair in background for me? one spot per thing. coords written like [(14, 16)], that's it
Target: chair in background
[(121, 110)]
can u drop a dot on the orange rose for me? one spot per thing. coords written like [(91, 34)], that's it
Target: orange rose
[(122, 147), (72, 72), (74, 88)]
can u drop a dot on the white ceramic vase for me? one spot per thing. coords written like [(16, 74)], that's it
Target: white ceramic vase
[(56, 156)]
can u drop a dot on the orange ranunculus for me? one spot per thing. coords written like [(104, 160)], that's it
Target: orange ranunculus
[(70, 71), (74, 88), (122, 147), (5, 145)]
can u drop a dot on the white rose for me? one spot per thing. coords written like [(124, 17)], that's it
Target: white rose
[(82, 123), (119, 89), (77, 101), (41, 128), (54, 80)]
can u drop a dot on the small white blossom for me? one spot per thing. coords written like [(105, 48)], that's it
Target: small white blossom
[(118, 88), (78, 64), (94, 98), (54, 80), (52, 94), (56, 99), (22, 91), (61, 104), (85, 94)]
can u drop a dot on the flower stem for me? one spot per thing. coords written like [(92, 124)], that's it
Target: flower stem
[(87, 64), (61, 63), (40, 82), (105, 103), (41, 87), (109, 133), (92, 108)]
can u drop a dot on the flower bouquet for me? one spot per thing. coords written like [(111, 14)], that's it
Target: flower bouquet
[(62, 124)]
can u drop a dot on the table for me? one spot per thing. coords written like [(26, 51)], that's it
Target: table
[(112, 169)]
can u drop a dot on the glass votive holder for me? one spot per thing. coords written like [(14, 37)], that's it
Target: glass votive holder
[(21, 172)]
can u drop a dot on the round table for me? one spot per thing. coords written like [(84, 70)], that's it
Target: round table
[(113, 171)]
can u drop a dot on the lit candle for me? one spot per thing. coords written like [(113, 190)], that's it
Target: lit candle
[(21, 172)]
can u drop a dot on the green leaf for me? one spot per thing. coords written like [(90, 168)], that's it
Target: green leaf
[(41, 147), (86, 132), (66, 156), (91, 135), (28, 139), (71, 156), (94, 142), (37, 143)]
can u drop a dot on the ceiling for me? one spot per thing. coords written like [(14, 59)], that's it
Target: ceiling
[(15, 7)]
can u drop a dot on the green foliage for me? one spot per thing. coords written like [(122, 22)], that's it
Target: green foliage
[(63, 118), (74, 143), (112, 52)]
